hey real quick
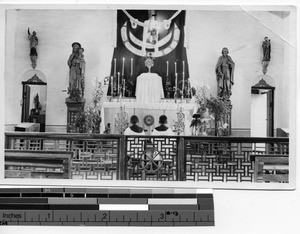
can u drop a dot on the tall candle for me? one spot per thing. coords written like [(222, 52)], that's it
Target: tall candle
[(118, 83), (175, 68), (131, 67), (183, 68), (167, 68), (123, 66), (115, 67)]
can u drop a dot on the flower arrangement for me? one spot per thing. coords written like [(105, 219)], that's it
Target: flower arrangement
[(208, 109)]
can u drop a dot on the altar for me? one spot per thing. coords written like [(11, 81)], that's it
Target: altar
[(166, 107), (149, 88)]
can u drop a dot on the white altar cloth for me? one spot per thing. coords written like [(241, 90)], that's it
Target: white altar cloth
[(149, 88)]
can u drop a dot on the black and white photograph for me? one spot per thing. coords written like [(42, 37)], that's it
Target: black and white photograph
[(199, 95), (164, 113)]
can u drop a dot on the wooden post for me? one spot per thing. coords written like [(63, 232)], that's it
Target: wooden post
[(181, 160), (122, 159)]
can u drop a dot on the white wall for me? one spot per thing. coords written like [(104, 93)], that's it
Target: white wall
[(208, 32), (242, 32), (56, 30)]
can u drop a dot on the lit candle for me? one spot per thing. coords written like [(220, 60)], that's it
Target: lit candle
[(167, 68), (123, 62), (115, 67), (175, 68), (118, 83), (131, 67)]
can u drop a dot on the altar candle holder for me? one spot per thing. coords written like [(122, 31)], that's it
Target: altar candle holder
[(176, 85), (121, 120), (123, 87), (118, 93), (115, 67), (179, 124), (182, 84), (111, 86)]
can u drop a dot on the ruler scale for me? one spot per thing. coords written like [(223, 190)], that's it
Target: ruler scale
[(106, 207)]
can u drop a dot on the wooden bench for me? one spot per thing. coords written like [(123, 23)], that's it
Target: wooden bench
[(37, 164), (277, 167)]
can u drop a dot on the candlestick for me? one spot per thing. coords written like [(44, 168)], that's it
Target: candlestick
[(183, 68), (123, 66), (176, 75), (131, 67), (182, 83), (118, 83), (115, 67), (111, 86), (167, 68), (189, 85), (123, 87), (175, 68)]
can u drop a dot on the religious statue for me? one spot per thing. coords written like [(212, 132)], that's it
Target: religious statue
[(33, 42), (266, 45), (76, 64), (225, 72)]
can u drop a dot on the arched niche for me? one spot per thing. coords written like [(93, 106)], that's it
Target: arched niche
[(262, 106), (34, 98)]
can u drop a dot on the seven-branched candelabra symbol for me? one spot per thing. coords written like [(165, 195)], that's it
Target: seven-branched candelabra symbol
[(179, 124), (121, 120)]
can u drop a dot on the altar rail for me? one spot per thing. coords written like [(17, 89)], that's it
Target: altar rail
[(175, 158)]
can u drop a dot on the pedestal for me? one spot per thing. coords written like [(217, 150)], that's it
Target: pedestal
[(73, 109)]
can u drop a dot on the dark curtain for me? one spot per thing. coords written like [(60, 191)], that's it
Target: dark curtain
[(160, 63)]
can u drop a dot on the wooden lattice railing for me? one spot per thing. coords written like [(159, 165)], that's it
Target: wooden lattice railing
[(175, 158)]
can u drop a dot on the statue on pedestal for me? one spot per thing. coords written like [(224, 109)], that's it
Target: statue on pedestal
[(225, 72), (34, 41), (76, 65)]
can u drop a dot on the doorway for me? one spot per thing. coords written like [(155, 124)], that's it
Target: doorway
[(262, 110), (34, 102)]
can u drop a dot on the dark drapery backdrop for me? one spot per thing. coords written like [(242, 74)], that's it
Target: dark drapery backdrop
[(160, 63)]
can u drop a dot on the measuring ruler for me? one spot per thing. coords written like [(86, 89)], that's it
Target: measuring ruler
[(106, 207)]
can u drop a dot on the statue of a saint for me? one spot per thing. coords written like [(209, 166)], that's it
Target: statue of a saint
[(76, 64), (266, 45), (34, 41), (224, 72)]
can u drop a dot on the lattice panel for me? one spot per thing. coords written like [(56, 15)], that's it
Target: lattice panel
[(225, 161), (92, 159), (165, 169)]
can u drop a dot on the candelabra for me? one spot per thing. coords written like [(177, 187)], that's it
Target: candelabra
[(179, 124), (121, 120)]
